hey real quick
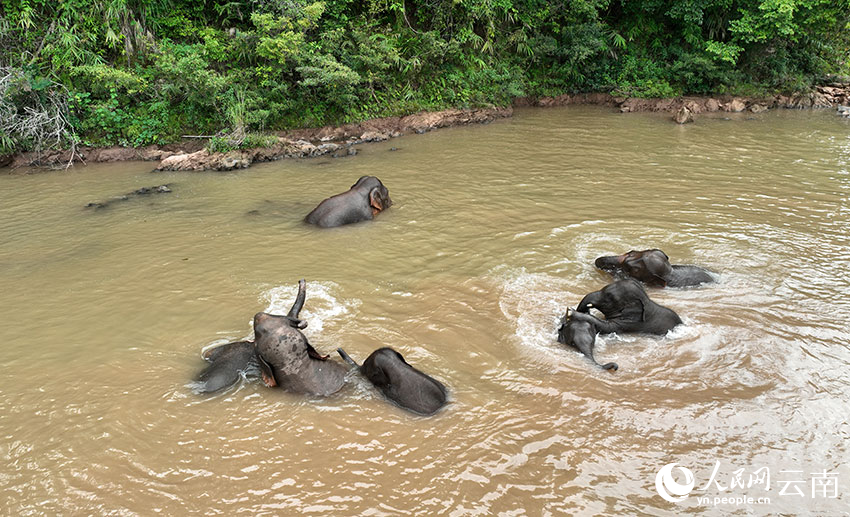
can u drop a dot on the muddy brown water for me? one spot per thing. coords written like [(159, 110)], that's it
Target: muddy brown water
[(104, 315)]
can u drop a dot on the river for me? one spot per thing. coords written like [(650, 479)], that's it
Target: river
[(492, 235)]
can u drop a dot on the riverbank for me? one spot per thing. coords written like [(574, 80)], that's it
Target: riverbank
[(339, 141)]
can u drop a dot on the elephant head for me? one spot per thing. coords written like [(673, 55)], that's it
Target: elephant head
[(623, 299), (651, 267), (286, 357), (581, 334), (401, 383), (377, 193), (627, 308)]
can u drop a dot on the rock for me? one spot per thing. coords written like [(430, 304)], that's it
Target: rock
[(625, 109), (267, 154), (232, 160), (758, 108), (344, 153), (712, 105), (694, 106), (185, 162), (683, 116), (328, 148), (374, 136), (819, 100), (301, 148), (798, 102), (144, 191), (736, 106)]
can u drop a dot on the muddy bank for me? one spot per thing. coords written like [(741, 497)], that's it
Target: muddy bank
[(826, 96), (338, 141)]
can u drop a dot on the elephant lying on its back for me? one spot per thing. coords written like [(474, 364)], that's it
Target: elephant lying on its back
[(280, 353), (288, 360)]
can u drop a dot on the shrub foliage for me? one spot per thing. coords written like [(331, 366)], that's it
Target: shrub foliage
[(137, 72)]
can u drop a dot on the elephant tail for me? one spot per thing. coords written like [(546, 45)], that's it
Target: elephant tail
[(609, 366), (347, 358)]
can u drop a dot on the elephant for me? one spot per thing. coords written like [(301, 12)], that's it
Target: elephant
[(288, 360), (227, 364), (653, 268), (362, 202), (403, 384), (627, 308), (581, 334)]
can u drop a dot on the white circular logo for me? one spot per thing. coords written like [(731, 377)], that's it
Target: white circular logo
[(668, 488)]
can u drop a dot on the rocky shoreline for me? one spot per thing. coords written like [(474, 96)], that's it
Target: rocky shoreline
[(339, 141)]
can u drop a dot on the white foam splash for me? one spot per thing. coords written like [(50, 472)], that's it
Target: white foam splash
[(217, 343), (533, 302), (562, 229), (320, 306)]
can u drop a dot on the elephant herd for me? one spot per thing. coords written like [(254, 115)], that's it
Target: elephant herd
[(282, 356)]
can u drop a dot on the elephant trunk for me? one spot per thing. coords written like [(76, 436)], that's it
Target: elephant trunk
[(299, 300), (609, 263), (587, 302)]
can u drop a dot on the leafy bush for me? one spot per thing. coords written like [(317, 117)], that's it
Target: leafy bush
[(34, 113), (146, 71)]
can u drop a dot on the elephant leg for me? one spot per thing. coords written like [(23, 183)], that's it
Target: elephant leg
[(313, 353), (227, 365)]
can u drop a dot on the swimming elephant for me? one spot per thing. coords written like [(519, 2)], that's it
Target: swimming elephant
[(400, 382), (286, 357), (362, 202), (227, 364), (653, 268), (627, 308), (581, 334)]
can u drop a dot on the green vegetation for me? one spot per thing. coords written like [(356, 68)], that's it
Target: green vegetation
[(139, 72)]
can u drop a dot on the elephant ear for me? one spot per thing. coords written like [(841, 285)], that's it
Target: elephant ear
[(647, 271), (659, 268), (642, 306), (375, 199), (656, 281), (267, 373)]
